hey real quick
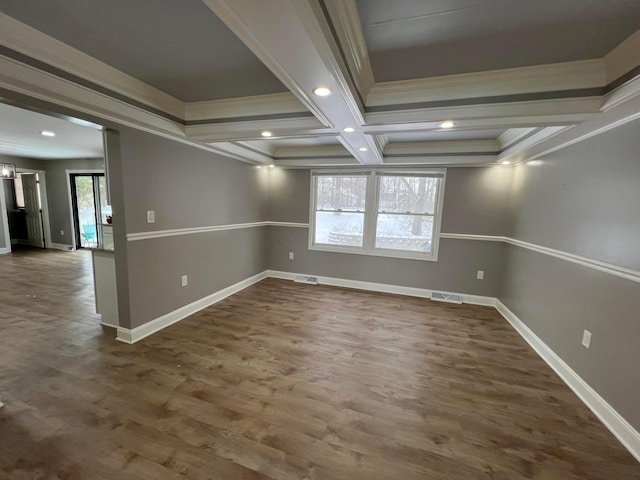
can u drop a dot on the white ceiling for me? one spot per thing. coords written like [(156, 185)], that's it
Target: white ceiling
[(20, 136)]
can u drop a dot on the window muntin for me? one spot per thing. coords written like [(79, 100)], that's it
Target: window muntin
[(377, 212)]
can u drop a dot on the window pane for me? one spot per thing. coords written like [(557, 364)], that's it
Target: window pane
[(407, 194), (341, 193), (404, 232), (339, 228)]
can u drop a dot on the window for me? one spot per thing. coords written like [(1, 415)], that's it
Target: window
[(377, 212)]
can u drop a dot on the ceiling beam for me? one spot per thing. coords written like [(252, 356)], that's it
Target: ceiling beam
[(346, 22), (294, 39)]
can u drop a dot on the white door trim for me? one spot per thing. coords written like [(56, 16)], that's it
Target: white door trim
[(68, 173), (44, 202), (5, 221)]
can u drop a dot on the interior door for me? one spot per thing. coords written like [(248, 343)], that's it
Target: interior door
[(33, 209)]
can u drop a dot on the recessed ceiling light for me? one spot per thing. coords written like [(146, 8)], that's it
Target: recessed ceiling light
[(447, 124), (322, 91), (363, 149), (505, 162), (47, 133), (272, 166), (349, 129), (266, 133)]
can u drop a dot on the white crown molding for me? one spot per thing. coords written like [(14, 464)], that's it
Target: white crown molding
[(241, 152), (512, 135), (623, 58), (503, 115), (511, 153), (316, 162), (621, 429), (539, 78), (458, 160), (622, 94), (41, 85), (258, 105), (346, 21), (35, 44), (251, 130), (285, 153), (596, 124), (435, 147)]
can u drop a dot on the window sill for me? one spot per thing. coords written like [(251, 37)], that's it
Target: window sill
[(400, 254)]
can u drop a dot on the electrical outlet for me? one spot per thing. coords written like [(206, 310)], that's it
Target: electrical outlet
[(185, 280), (151, 216), (480, 275), (290, 255), (586, 339), (62, 232)]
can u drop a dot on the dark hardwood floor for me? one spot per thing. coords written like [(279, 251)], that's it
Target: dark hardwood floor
[(281, 381)]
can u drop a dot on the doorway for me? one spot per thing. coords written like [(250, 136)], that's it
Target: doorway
[(27, 214), (90, 208)]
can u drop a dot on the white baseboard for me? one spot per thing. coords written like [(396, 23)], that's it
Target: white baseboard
[(623, 431), (382, 287), (4, 250), (131, 336), (61, 246)]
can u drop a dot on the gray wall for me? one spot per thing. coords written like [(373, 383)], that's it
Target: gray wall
[(584, 200), (186, 187), (57, 190), (58, 194), (475, 203)]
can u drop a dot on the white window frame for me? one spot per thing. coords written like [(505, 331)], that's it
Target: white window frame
[(371, 213)]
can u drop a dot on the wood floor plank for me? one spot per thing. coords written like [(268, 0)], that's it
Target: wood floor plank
[(281, 381)]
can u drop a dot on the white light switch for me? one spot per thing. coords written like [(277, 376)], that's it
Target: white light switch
[(185, 280), (151, 216), (480, 275), (290, 255), (586, 339)]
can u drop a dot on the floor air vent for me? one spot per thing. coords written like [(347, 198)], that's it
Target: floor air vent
[(446, 297), (306, 279)]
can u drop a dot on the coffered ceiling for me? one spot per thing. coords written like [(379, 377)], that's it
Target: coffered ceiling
[(515, 78), (416, 39)]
